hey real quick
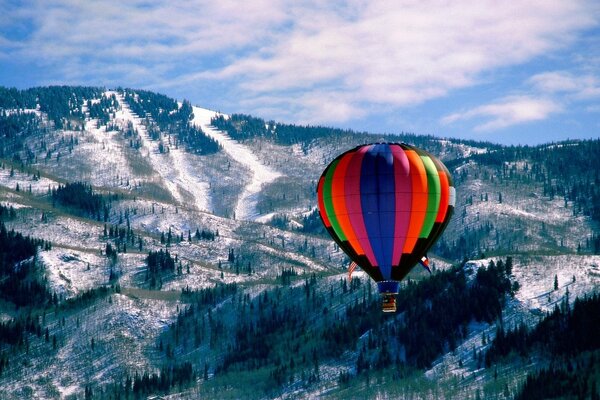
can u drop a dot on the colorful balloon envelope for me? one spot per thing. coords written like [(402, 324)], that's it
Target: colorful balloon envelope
[(385, 205)]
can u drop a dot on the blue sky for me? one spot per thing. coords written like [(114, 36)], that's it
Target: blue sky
[(523, 72)]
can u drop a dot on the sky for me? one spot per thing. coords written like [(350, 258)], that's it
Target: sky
[(525, 72)]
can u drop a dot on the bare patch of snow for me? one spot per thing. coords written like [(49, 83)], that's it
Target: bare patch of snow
[(245, 208), (175, 168)]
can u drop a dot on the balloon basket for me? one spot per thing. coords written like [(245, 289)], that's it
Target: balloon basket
[(389, 303)]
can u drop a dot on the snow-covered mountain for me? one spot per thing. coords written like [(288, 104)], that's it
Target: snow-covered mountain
[(232, 201)]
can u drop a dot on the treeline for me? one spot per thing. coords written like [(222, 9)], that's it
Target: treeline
[(122, 236), (196, 324), (15, 334), (18, 281), (162, 382), (21, 284), (15, 128), (62, 108), (432, 319), (143, 385), (311, 223), (192, 136), (81, 196), (291, 331), (286, 276), (169, 123), (7, 213), (87, 297), (436, 313), (579, 379), (565, 331), (245, 127), (208, 296), (204, 234), (469, 243), (566, 170), (102, 109), (159, 263), (567, 337), (62, 104)]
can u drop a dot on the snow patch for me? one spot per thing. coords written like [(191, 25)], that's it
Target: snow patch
[(245, 208), (175, 167)]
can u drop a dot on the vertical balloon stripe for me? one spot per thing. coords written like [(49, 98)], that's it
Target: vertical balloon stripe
[(322, 211), (387, 206), (328, 200), (419, 199), (369, 203), (353, 203), (444, 196), (433, 199), (378, 203), (403, 185), (338, 194)]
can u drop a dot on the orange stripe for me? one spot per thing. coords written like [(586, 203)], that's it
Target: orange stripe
[(444, 198), (419, 200), (338, 194)]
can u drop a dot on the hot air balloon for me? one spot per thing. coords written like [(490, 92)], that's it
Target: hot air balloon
[(385, 205)]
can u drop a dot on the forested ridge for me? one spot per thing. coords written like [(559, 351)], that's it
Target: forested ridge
[(20, 282), (81, 196), (169, 123), (565, 173), (566, 170), (567, 337), (276, 322), (291, 331)]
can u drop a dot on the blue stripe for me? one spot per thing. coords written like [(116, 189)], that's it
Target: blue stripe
[(378, 201), (388, 286)]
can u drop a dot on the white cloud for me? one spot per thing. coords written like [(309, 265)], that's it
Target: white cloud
[(551, 92), (595, 108), (145, 31), (508, 111), (406, 53), (292, 56), (580, 87)]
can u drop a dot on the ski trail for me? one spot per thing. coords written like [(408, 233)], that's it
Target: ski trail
[(175, 167), (111, 160), (245, 208)]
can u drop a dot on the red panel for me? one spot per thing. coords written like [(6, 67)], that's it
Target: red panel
[(322, 203), (445, 189), (338, 194)]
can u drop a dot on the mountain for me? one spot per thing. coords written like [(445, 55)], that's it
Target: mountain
[(152, 247)]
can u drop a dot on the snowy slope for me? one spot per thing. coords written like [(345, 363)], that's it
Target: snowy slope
[(576, 275), (195, 192), (176, 168), (245, 208)]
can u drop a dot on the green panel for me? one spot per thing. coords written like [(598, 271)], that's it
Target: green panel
[(433, 198), (329, 209)]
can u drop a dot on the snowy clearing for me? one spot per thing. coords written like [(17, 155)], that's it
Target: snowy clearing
[(174, 167), (245, 208)]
